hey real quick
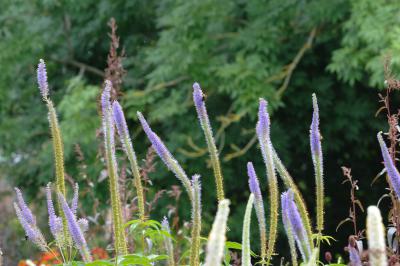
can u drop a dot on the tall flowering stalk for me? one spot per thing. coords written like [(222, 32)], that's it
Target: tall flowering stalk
[(58, 147), (290, 184), (246, 259), (216, 240), (123, 132), (390, 166), (294, 225), (109, 146), (198, 99), (263, 133), (376, 237), (168, 242), (196, 222), (316, 152), (75, 230), (166, 156), (55, 222), (259, 206)]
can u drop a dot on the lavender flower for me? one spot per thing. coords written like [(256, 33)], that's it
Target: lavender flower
[(83, 224), (75, 230), (120, 122), (31, 230), (166, 156), (55, 223), (292, 218), (74, 203), (354, 256), (198, 98), (263, 120), (259, 206), (25, 211), (42, 79), (391, 169), (315, 136)]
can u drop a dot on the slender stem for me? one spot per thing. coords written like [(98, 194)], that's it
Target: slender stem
[(246, 259), (196, 223)]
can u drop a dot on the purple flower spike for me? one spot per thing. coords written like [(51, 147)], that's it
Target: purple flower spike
[(292, 218), (74, 229), (391, 170), (315, 136), (253, 181), (31, 231), (42, 79), (263, 120), (354, 256), (165, 224), (74, 204), (25, 211), (119, 119), (198, 98), (55, 223)]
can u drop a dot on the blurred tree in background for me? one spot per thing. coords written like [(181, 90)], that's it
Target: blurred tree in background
[(238, 51)]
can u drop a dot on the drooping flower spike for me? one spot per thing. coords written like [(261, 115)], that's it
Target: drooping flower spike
[(259, 206), (198, 99), (123, 132), (391, 169), (25, 211), (264, 139), (75, 230), (166, 156), (293, 221)]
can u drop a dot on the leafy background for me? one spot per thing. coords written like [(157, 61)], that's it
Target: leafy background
[(238, 51)]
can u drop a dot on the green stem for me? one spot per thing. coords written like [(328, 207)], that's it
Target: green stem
[(196, 224), (246, 259)]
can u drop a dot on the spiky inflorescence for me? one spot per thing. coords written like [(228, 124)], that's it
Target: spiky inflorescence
[(263, 133), (196, 222), (216, 240), (290, 184), (168, 242), (390, 166), (316, 153), (166, 156), (74, 203), (259, 206), (246, 258), (42, 79), (28, 222), (55, 222), (75, 230), (376, 237), (354, 256), (292, 218), (112, 168), (289, 234), (198, 99), (123, 132)]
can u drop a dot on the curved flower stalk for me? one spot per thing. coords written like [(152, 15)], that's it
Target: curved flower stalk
[(290, 184), (263, 133), (123, 132), (55, 222), (196, 222), (168, 242), (390, 166), (294, 225), (198, 99), (376, 237), (246, 259), (259, 206), (216, 240), (166, 156), (28, 222), (75, 230), (58, 147), (316, 153), (109, 146), (289, 234)]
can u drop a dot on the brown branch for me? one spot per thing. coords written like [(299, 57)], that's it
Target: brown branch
[(80, 65)]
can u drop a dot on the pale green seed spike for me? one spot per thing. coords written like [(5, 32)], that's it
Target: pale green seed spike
[(290, 184), (196, 222), (246, 258), (376, 237), (314, 258), (168, 242), (292, 246), (58, 150), (198, 98), (216, 240)]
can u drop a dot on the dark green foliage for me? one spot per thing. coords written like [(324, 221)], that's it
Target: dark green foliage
[(238, 51)]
